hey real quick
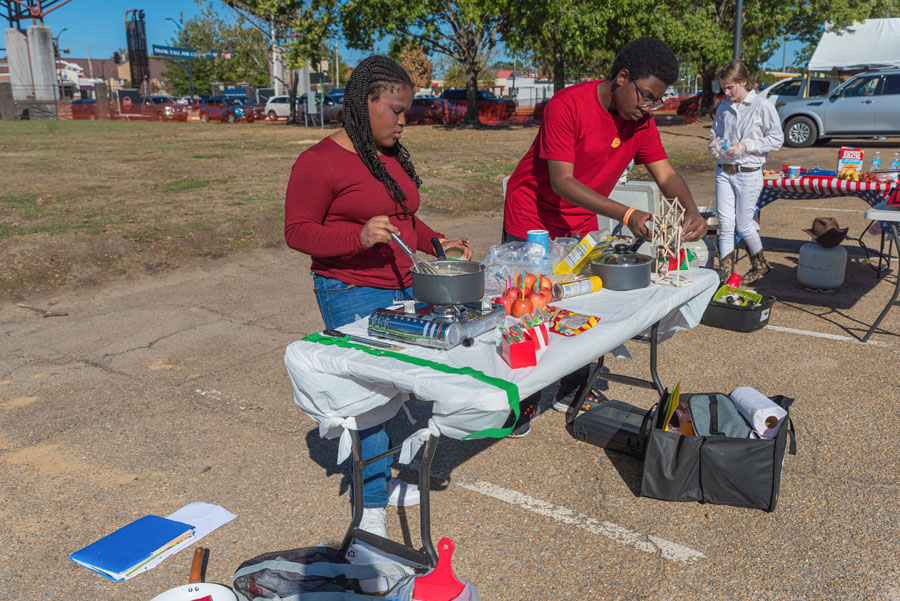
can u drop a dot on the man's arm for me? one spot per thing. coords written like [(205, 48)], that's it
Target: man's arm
[(671, 185), (563, 182)]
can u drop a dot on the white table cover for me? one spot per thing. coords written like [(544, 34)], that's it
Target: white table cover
[(346, 388)]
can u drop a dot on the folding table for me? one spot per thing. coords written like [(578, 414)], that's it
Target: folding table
[(346, 386), (889, 215)]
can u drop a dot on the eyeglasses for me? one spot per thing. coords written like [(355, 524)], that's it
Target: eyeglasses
[(648, 104)]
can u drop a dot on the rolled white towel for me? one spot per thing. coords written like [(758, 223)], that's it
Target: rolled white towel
[(763, 415)]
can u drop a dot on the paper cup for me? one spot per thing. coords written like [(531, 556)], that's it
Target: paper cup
[(454, 253), (793, 171)]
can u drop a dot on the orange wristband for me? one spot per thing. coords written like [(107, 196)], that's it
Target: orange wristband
[(627, 215)]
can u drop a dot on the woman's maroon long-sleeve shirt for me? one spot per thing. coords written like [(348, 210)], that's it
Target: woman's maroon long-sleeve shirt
[(330, 197)]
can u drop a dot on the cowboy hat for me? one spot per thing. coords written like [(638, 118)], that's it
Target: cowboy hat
[(827, 232)]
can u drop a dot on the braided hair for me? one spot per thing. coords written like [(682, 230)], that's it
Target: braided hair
[(370, 77)]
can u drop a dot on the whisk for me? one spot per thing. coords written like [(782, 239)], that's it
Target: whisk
[(423, 266)]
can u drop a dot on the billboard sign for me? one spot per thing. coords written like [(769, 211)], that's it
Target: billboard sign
[(171, 52)]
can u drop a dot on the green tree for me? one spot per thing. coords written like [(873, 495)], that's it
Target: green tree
[(467, 31), (206, 32), (701, 32), (575, 40), (300, 29)]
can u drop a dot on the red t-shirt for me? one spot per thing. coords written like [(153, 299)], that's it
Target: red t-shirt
[(330, 197), (578, 130)]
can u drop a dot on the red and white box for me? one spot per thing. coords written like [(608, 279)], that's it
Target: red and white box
[(850, 159), (529, 351)]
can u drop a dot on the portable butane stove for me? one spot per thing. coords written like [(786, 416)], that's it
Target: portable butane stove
[(437, 326)]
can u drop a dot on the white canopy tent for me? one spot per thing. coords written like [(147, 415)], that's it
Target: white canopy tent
[(872, 44)]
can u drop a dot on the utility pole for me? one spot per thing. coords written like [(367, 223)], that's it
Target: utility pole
[(738, 24), (337, 66), (90, 64)]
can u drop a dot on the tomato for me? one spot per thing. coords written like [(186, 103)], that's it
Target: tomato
[(506, 301), (521, 307)]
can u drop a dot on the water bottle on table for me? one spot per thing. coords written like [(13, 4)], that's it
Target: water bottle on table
[(876, 162), (895, 162)]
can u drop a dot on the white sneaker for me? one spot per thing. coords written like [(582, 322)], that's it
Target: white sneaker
[(402, 494), (373, 521)]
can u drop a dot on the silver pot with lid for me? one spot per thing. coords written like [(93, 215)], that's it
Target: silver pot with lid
[(622, 269)]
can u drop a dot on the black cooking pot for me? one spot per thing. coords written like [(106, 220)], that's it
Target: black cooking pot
[(623, 269), (455, 282)]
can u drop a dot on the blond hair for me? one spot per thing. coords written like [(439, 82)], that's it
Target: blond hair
[(734, 72)]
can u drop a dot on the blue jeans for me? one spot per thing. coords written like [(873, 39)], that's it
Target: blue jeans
[(340, 304)]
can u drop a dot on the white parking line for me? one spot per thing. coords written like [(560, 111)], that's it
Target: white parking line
[(647, 544), (828, 336), (825, 209)]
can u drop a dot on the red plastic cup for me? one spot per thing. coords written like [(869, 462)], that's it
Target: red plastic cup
[(735, 280)]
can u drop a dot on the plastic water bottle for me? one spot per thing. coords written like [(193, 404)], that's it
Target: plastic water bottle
[(895, 162), (876, 162), (724, 144)]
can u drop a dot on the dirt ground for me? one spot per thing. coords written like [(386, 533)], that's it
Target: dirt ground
[(159, 388)]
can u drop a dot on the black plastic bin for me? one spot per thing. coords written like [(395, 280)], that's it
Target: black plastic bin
[(738, 318)]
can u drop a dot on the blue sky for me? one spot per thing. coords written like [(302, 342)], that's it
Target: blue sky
[(94, 23)]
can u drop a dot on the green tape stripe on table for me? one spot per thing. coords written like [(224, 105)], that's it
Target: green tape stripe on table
[(511, 390)]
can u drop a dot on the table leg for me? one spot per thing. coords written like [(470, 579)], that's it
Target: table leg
[(893, 301), (429, 557), (653, 339)]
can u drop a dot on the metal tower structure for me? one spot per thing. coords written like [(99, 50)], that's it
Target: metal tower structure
[(16, 11), (138, 60)]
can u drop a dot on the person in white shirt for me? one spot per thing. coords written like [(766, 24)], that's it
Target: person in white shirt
[(746, 128)]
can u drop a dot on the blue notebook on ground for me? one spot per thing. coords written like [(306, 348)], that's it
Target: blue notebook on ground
[(121, 554)]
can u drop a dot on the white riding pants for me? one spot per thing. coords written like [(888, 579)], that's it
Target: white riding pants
[(736, 197)]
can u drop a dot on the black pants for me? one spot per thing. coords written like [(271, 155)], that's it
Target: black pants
[(568, 385)]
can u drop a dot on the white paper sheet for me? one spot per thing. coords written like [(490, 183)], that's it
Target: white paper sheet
[(204, 517)]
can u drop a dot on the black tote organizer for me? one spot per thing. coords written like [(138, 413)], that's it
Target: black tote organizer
[(717, 469)]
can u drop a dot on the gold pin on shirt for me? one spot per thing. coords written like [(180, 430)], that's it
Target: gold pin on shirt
[(616, 141)]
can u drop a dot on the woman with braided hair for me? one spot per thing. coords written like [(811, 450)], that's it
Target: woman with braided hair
[(345, 197)]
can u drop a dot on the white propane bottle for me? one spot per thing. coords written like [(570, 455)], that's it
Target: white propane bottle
[(821, 269)]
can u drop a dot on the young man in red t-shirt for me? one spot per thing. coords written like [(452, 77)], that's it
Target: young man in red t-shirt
[(589, 134)]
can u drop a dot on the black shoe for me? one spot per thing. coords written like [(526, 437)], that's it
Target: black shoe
[(521, 431)]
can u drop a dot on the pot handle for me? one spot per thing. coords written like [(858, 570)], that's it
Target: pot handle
[(438, 249)]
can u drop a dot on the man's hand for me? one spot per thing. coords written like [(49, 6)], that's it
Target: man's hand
[(713, 147), (637, 223), (377, 229), (462, 243), (738, 150), (694, 226)]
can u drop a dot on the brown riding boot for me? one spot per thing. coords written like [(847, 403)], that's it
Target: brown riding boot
[(758, 268), (726, 265)]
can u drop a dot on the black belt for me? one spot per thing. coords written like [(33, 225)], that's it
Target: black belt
[(732, 169)]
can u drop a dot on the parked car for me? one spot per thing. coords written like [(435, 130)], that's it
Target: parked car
[(431, 109), (490, 107), (865, 105), (795, 87), (689, 107), (163, 108), (223, 109), (277, 107), (333, 106), (258, 110)]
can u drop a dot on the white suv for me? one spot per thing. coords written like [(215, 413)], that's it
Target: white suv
[(278, 107)]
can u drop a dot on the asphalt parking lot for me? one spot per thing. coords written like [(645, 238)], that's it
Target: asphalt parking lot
[(157, 391)]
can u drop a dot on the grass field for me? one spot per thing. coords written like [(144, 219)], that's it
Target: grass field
[(83, 201)]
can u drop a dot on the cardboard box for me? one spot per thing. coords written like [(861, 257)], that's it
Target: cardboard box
[(579, 257), (527, 352), (850, 160)]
